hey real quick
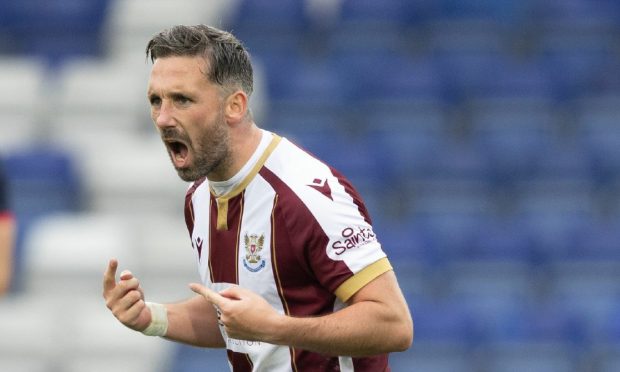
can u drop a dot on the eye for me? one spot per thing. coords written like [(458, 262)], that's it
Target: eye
[(181, 99), (154, 100)]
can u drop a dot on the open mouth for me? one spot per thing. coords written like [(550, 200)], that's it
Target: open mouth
[(179, 153)]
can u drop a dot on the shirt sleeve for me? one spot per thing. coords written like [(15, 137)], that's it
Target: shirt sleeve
[(350, 255)]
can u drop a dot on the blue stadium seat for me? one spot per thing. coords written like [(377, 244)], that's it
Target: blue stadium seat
[(491, 310), (598, 129), (405, 136), (489, 282), (57, 29), (609, 361), (373, 11), (573, 10), (543, 322), (446, 36), (405, 242), (307, 82), (420, 117), (588, 290), (502, 239), (611, 329), (296, 121), (443, 321), (513, 138), (477, 63), (465, 68), (268, 16), (401, 77), (43, 180), (531, 357), (554, 221), (429, 356), (568, 160), (577, 67), (597, 241), (460, 163), (451, 217), (503, 10), (414, 276), (513, 77), (407, 154), (266, 27), (366, 24)]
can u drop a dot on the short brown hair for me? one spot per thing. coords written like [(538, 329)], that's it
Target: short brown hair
[(227, 60)]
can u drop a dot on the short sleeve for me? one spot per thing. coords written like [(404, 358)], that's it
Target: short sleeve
[(350, 255)]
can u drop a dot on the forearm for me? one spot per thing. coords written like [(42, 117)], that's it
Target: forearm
[(194, 322), (365, 328)]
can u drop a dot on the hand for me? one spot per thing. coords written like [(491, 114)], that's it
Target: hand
[(125, 299), (244, 314)]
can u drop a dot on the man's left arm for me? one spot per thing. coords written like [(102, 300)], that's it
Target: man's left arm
[(376, 321)]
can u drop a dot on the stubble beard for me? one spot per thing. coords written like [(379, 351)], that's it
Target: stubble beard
[(211, 153)]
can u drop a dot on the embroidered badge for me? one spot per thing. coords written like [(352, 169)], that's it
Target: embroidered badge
[(253, 246)]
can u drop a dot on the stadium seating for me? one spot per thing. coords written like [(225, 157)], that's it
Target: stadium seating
[(55, 30), (482, 134)]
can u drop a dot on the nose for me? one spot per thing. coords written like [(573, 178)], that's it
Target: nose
[(162, 115)]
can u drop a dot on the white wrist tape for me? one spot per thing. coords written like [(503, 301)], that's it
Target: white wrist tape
[(159, 320)]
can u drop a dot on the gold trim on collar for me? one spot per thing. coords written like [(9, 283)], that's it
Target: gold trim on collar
[(222, 201)]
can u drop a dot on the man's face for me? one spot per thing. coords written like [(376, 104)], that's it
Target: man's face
[(188, 111)]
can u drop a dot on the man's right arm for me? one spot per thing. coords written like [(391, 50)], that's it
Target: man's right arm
[(193, 321)]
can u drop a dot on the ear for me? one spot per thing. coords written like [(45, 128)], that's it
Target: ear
[(236, 106)]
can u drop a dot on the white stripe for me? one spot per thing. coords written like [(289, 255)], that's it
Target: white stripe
[(258, 276), (201, 209)]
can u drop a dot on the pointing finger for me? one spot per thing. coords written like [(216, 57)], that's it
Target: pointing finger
[(211, 296), (109, 277)]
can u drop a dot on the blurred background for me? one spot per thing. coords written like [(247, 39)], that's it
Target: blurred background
[(483, 135)]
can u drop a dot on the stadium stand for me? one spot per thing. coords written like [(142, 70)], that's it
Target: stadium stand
[(483, 135)]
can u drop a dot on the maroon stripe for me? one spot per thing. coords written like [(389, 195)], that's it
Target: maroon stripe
[(189, 206), (357, 198), (224, 253), (189, 215), (240, 362)]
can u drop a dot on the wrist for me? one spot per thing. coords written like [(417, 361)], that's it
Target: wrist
[(159, 320), (281, 325)]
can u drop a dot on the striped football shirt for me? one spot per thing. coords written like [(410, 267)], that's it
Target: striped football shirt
[(295, 232)]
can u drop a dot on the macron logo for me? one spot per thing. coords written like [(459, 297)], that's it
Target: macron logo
[(322, 186), (199, 242)]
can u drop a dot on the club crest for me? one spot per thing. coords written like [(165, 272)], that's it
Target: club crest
[(253, 246)]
